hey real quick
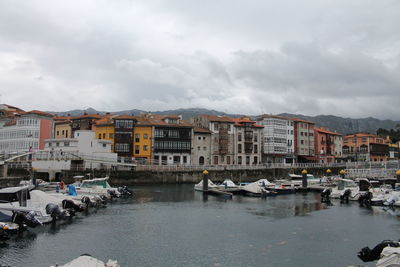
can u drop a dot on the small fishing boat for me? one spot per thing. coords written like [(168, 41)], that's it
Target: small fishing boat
[(199, 186), (100, 186), (259, 188)]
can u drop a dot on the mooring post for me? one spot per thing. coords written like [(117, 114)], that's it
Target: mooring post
[(342, 173), (205, 181), (304, 173), (398, 176)]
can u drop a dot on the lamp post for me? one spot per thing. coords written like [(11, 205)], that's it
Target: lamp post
[(342, 173)]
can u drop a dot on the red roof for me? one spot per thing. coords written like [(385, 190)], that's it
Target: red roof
[(239, 122), (201, 130), (160, 120), (326, 131), (216, 118), (87, 116), (301, 120)]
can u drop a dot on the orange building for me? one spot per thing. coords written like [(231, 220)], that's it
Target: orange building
[(365, 147)]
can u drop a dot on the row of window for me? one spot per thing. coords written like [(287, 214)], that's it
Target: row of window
[(122, 147), (172, 145), (14, 134), (104, 136), (63, 133), (137, 148), (305, 134), (19, 145), (123, 123), (27, 122), (57, 144)]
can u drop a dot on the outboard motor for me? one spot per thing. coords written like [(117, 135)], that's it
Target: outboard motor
[(345, 195), (125, 192), (22, 219), (86, 200), (112, 193), (54, 211), (69, 205), (367, 254), (365, 198), (326, 195), (390, 202)]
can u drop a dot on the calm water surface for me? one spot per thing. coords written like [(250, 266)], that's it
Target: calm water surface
[(172, 225)]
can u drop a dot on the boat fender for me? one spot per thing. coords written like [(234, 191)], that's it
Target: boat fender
[(23, 219), (68, 204), (366, 254)]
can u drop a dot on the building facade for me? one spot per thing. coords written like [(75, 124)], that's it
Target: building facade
[(26, 132), (123, 136), (365, 147), (222, 137), (304, 148), (277, 139), (248, 137), (172, 140), (201, 151), (327, 145)]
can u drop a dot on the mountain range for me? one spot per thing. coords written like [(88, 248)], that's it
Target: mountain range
[(334, 123)]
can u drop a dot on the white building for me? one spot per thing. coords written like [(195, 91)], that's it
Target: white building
[(82, 152), (26, 130), (278, 139)]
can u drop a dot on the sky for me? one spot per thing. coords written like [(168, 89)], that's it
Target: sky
[(338, 57)]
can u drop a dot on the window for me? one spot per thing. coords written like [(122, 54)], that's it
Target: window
[(204, 148), (62, 132), (104, 145), (199, 138), (302, 142), (177, 159), (111, 135), (215, 160), (247, 160), (145, 148), (66, 143), (137, 137), (204, 138), (216, 128), (255, 149), (198, 148), (239, 137), (99, 135), (255, 138), (239, 148), (66, 133), (104, 135), (184, 159), (137, 149), (58, 133), (122, 147), (57, 144), (145, 136), (239, 160)]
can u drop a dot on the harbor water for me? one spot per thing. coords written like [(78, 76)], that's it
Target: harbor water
[(171, 225)]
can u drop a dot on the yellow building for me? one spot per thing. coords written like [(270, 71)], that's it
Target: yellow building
[(142, 140), (104, 129), (62, 129)]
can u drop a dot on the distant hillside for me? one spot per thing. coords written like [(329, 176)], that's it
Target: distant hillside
[(334, 123), (348, 125)]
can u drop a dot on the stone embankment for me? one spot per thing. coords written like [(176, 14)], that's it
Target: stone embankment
[(172, 177)]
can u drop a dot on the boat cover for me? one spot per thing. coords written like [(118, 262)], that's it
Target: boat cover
[(88, 261), (38, 196), (390, 256), (229, 183), (263, 182), (210, 184), (252, 188), (72, 190)]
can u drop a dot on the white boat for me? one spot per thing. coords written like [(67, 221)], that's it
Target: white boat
[(17, 204), (89, 261), (99, 186), (199, 186), (258, 188), (346, 188)]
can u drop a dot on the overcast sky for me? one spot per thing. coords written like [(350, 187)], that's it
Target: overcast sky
[(339, 57)]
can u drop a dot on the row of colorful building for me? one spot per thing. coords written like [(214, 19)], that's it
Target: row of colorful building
[(205, 140)]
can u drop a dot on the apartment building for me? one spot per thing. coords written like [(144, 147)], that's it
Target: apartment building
[(123, 135), (365, 147), (26, 131), (222, 137), (304, 148), (172, 140), (143, 141), (247, 144), (328, 145), (277, 139)]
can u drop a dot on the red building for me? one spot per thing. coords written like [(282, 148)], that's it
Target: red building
[(326, 147)]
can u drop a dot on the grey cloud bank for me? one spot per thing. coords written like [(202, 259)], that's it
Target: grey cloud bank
[(312, 57)]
